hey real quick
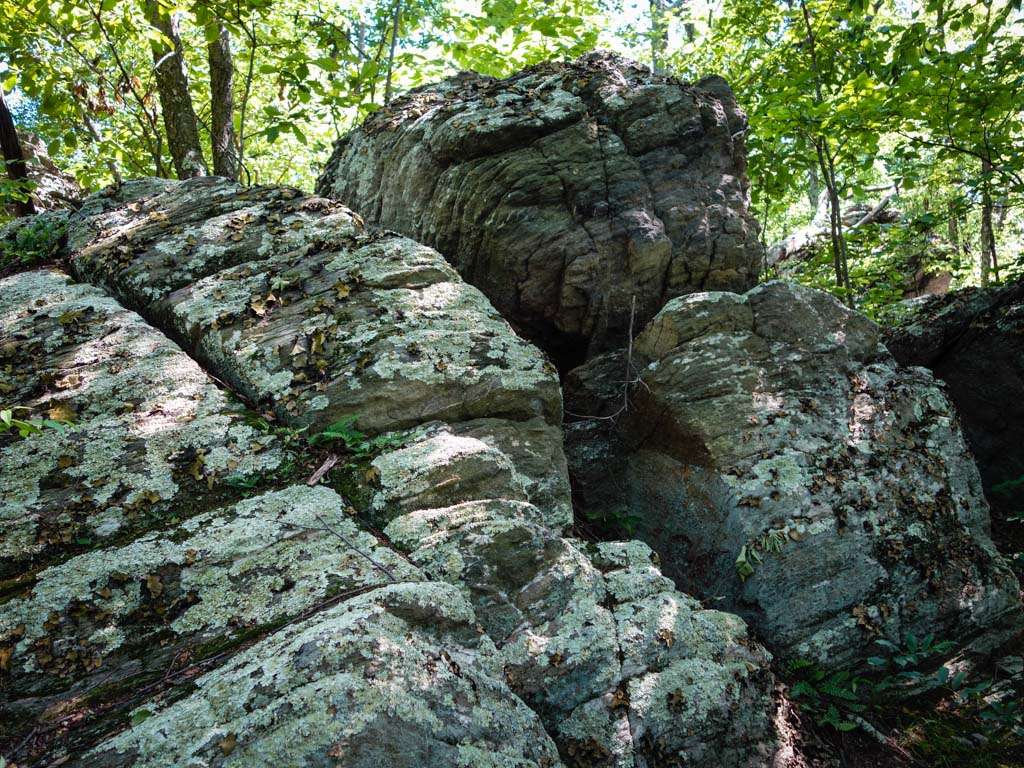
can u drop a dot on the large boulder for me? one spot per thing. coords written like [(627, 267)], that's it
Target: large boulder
[(474, 631), (783, 465), (564, 192), (973, 340)]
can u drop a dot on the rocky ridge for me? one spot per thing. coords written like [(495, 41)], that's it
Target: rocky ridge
[(508, 642)]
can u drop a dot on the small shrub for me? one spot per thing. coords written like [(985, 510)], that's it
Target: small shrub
[(28, 242)]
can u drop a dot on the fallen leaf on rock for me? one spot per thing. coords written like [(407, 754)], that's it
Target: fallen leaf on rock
[(154, 585), (227, 744)]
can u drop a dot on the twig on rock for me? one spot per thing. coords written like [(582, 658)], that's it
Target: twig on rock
[(324, 468), (629, 381)]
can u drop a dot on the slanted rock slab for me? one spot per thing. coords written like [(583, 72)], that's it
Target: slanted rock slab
[(150, 439), (398, 677), (290, 302), (122, 616)]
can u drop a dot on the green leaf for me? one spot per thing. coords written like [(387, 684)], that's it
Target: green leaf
[(140, 716)]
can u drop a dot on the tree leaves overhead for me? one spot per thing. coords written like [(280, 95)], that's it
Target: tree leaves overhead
[(923, 98), (304, 70)]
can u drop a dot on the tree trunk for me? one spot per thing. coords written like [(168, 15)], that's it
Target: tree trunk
[(835, 220), (395, 26), (175, 101), (222, 129), (987, 256), (827, 166), (813, 189), (953, 226), (659, 35), (13, 159)]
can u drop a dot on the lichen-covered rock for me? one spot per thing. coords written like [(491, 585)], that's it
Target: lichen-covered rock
[(397, 677), (150, 438), (623, 669), (117, 616), (780, 461), (449, 440), (564, 191), (288, 301), (973, 340)]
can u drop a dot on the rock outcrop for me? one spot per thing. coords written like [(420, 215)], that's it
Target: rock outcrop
[(973, 340), (564, 192), (243, 617), (784, 465)]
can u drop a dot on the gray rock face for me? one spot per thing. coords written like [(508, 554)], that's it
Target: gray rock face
[(396, 677), (263, 624), (564, 191), (973, 340), (781, 462), (154, 439)]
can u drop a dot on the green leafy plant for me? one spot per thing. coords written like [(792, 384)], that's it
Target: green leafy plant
[(616, 521), (904, 660), (358, 443), (288, 435), (840, 698), (752, 553), (29, 242), (833, 697), (27, 427)]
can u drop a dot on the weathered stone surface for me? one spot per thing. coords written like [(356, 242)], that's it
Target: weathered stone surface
[(564, 191), (293, 305), (286, 300), (398, 677), (118, 617), (623, 669), (439, 465), (153, 439), (779, 460), (974, 341), (52, 188)]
